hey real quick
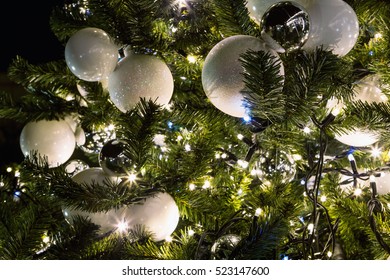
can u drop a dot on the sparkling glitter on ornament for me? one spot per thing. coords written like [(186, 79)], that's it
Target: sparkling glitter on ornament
[(288, 24), (113, 159), (224, 246), (275, 164)]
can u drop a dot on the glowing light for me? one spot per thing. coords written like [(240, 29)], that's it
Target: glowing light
[(243, 163), (191, 58), (191, 232), (323, 198), (17, 173), (192, 187), (358, 192), (122, 226), (258, 212), (375, 152), (46, 239), (351, 157), (254, 172), (240, 136), (307, 130), (132, 177), (378, 36), (329, 254), (187, 147), (310, 227), (206, 185), (9, 169), (240, 192), (224, 156), (247, 118), (179, 138)]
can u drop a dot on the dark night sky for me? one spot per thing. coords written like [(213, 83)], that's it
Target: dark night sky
[(25, 31)]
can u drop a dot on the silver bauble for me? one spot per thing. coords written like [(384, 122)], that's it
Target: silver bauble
[(224, 246), (113, 159), (287, 23)]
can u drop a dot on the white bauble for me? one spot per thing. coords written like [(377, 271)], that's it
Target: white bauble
[(158, 214), (367, 90), (140, 76), (90, 54), (333, 25), (383, 183), (53, 140), (222, 78), (107, 220)]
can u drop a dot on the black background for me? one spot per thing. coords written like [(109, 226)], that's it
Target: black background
[(25, 31)]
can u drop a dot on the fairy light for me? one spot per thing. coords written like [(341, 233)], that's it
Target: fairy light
[(191, 58), (240, 136), (224, 156), (378, 36), (243, 163), (191, 232), (122, 226), (132, 177), (323, 198), (375, 152), (258, 212), (357, 192), (206, 184), (9, 169), (329, 254), (187, 147), (192, 187), (310, 228), (307, 130)]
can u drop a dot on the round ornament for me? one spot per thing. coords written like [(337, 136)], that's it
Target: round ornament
[(113, 159), (53, 140), (275, 164), (158, 214), (367, 90), (107, 220), (140, 76), (288, 24), (90, 54), (222, 78), (333, 25), (224, 246)]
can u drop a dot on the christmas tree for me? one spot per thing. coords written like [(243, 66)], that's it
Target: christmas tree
[(203, 130)]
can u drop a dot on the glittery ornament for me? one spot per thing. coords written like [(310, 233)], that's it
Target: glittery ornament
[(140, 76), (224, 246), (95, 139), (113, 159)]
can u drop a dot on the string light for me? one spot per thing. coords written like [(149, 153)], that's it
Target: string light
[(192, 187), (191, 232), (132, 177), (375, 152), (191, 58), (357, 192), (122, 226), (206, 184), (258, 212)]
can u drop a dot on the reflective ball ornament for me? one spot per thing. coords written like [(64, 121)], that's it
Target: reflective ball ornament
[(94, 140), (222, 77), (257, 8), (140, 76), (224, 246), (113, 160), (90, 54), (158, 214), (107, 220), (275, 164), (52, 139), (75, 166), (288, 24)]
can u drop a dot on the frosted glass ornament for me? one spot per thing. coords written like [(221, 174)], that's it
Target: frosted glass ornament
[(222, 78), (90, 54), (140, 76), (333, 25), (367, 90), (53, 140), (107, 220), (158, 214), (383, 183)]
